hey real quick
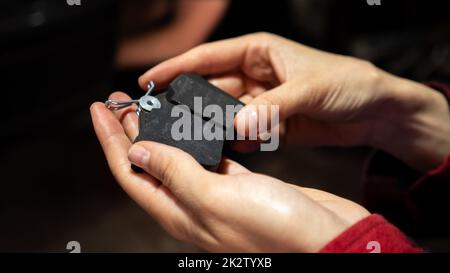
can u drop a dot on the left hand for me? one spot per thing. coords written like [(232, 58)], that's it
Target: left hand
[(324, 99), (232, 210)]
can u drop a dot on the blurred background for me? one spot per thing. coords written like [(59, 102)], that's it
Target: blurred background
[(56, 59)]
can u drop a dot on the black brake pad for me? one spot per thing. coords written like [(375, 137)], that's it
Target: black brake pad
[(186, 87), (156, 125)]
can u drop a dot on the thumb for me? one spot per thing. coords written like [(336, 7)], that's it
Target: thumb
[(176, 169), (267, 110)]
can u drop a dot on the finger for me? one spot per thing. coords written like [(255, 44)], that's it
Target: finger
[(126, 116), (112, 138), (230, 167), (334, 203), (255, 88), (176, 169), (239, 85), (232, 83), (267, 110), (319, 195), (207, 59), (144, 189), (246, 99)]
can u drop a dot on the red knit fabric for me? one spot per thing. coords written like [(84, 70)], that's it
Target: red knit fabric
[(417, 203), (373, 233)]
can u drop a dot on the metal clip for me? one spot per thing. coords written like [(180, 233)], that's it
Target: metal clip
[(146, 102)]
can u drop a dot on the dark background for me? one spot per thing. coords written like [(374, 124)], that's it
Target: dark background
[(55, 60)]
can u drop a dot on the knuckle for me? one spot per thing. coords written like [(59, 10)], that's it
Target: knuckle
[(364, 65), (263, 35), (198, 49), (366, 69), (121, 171), (373, 74), (272, 98)]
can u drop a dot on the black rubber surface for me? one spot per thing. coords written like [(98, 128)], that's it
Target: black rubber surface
[(157, 125)]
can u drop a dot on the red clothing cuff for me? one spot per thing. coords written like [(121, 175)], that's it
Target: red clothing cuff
[(431, 191), (371, 235)]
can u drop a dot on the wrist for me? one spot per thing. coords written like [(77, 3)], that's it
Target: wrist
[(322, 228), (414, 124)]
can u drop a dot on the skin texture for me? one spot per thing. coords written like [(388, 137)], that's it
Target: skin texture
[(324, 99), (218, 211)]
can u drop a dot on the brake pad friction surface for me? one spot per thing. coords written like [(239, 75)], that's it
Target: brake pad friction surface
[(188, 86), (157, 126)]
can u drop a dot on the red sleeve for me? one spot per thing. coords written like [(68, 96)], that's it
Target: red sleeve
[(411, 200), (371, 235)]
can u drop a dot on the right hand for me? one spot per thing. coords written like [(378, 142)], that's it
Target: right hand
[(323, 98), (231, 210)]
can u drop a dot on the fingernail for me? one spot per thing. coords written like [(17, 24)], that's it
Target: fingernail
[(138, 155), (213, 82), (141, 81), (247, 122)]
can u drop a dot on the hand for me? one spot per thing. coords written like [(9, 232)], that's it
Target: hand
[(233, 210), (324, 99)]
